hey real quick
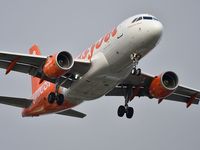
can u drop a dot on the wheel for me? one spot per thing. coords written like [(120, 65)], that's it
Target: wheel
[(129, 112), (133, 71), (138, 72), (51, 97), (121, 111), (60, 99)]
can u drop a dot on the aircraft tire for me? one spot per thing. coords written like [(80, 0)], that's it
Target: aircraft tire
[(129, 112), (60, 99), (51, 98), (133, 71), (121, 111), (138, 72)]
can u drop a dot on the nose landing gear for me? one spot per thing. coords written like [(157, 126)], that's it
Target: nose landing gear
[(135, 58)]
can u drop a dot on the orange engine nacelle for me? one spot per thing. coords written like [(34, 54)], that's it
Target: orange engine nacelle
[(58, 64), (163, 85)]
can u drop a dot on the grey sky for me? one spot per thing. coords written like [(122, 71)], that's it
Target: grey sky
[(73, 26)]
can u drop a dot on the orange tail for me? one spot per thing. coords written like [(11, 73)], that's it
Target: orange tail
[(35, 81)]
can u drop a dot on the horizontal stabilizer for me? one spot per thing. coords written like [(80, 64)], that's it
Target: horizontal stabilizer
[(17, 102), (72, 113)]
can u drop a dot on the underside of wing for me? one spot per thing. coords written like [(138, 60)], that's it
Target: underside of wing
[(33, 65), (24, 63), (185, 94), (140, 86), (72, 113), (17, 102)]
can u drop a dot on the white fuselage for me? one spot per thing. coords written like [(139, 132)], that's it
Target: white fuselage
[(111, 64)]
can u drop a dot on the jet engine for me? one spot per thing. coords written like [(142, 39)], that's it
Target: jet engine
[(58, 64), (163, 85)]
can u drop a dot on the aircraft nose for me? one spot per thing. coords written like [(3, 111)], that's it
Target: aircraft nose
[(157, 29)]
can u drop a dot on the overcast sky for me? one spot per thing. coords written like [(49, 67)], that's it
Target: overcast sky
[(75, 25)]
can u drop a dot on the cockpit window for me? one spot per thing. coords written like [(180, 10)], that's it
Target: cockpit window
[(137, 19), (144, 18), (134, 20), (140, 18), (155, 19), (147, 18)]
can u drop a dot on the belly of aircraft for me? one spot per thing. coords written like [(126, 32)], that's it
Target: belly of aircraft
[(93, 88)]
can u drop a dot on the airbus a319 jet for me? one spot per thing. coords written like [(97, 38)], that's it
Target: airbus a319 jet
[(109, 67)]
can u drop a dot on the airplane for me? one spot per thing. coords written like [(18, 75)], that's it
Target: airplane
[(109, 67)]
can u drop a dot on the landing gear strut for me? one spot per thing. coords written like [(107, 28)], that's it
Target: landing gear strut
[(135, 58), (56, 97), (129, 111)]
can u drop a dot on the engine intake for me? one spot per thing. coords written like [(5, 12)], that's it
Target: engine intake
[(58, 64), (64, 60), (163, 85)]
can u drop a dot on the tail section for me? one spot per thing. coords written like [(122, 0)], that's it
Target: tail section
[(35, 81), (34, 50)]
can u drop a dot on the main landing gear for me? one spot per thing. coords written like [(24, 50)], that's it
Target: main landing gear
[(125, 109), (129, 111), (56, 97), (128, 92), (135, 58)]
